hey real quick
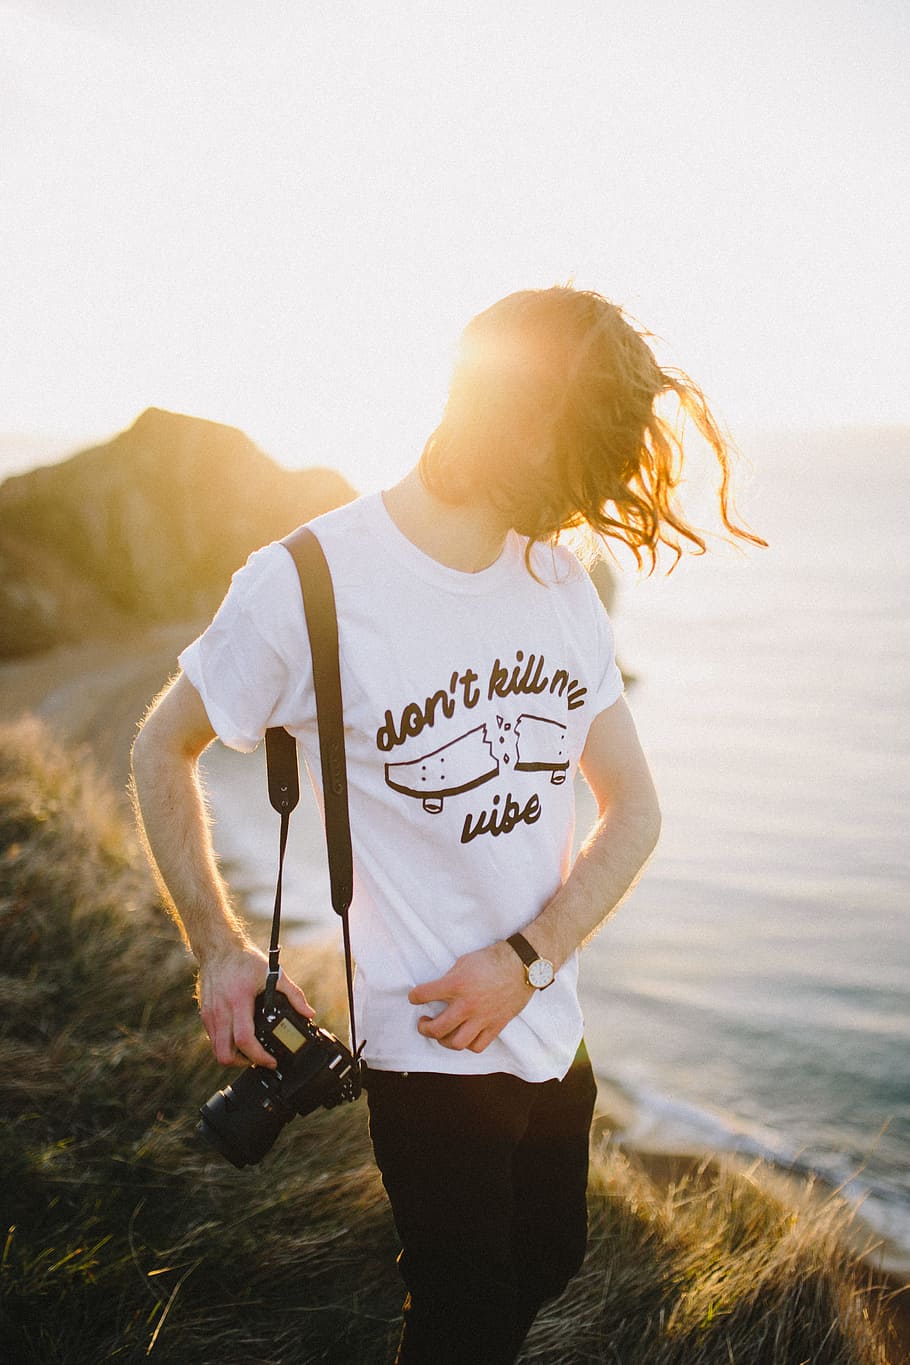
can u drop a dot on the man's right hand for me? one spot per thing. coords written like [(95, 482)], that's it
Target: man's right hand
[(226, 990), (174, 821)]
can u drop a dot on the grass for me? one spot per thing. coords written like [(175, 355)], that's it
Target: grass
[(124, 1238)]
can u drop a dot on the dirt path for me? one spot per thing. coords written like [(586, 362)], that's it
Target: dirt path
[(95, 694)]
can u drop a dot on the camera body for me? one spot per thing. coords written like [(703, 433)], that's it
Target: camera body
[(243, 1120)]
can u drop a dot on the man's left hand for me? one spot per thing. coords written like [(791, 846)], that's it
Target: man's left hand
[(482, 992)]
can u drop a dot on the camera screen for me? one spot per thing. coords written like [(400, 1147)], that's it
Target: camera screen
[(290, 1036)]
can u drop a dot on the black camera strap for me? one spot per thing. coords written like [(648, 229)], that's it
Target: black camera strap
[(281, 754)]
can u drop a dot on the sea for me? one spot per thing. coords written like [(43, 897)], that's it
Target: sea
[(751, 994)]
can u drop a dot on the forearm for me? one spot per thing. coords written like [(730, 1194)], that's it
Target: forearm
[(608, 866), (173, 820), (487, 988)]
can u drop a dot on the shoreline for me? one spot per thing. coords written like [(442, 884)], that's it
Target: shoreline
[(668, 1165)]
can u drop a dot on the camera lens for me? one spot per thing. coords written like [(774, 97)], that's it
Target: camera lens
[(243, 1120)]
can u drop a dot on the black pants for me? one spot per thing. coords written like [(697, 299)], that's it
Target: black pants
[(486, 1176)]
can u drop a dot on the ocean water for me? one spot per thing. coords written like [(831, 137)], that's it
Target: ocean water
[(752, 992)]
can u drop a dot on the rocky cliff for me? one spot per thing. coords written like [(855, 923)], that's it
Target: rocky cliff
[(146, 528)]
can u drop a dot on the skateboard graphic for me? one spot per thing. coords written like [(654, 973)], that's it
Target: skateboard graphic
[(542, 748), (470, 761), (457, 767)]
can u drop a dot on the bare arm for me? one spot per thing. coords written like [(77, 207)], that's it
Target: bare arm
[(171, 810), (614, 855), (485, 989)]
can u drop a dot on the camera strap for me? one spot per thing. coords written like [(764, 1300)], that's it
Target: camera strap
[(281, 754)]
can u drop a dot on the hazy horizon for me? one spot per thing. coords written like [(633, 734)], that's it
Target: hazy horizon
[(282, 221), (21, 451)]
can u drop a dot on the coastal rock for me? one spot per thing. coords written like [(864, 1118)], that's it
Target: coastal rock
[(146, 528)]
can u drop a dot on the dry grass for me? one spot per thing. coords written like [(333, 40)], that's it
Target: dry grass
[(125, 1239), (724, 1265)]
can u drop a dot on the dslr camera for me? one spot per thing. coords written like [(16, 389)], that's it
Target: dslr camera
[(243, 1120)]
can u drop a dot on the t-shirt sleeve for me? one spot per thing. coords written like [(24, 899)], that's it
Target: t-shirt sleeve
[(251, 666)]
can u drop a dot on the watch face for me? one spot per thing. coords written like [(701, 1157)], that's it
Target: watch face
[(540, 973)]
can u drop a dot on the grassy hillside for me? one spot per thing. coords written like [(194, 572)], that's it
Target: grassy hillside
[(124, 1238)]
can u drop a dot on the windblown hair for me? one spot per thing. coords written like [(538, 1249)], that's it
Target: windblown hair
[(552, 414)]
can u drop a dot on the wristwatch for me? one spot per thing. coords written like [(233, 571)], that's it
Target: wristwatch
[(538, 970)]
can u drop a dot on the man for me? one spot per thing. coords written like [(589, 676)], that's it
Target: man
[(478, 675)]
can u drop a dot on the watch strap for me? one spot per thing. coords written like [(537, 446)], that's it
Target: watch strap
[(522, 947)]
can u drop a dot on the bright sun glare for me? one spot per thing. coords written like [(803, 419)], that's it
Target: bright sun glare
[(283, 222)]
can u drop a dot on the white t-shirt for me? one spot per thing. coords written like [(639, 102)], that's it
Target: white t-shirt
[(467, 698)]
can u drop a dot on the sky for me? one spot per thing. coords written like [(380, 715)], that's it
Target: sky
[(280, 215)]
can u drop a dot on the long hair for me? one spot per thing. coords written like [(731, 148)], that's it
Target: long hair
[(552, 414)]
